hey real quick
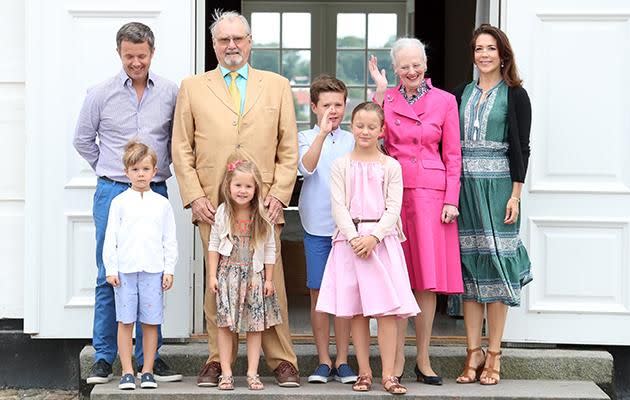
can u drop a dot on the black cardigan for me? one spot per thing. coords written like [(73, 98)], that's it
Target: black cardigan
[(519, 124)]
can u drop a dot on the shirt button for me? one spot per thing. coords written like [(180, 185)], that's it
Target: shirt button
[(397, 122), (413, 160), (415, 141), (418, 123), (234, 122), (238, 146)]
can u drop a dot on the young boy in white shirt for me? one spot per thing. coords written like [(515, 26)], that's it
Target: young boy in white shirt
[(139, 253), (318, 148)]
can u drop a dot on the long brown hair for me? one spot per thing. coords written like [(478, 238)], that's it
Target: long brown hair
[(260, 226), (509, 71)]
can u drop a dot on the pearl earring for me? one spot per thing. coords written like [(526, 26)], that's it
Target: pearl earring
[(502, 64)]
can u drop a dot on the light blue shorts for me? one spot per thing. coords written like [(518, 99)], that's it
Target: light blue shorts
[(139, 298), (316, 250)]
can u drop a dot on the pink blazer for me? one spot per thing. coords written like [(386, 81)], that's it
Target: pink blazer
[(424, 138)]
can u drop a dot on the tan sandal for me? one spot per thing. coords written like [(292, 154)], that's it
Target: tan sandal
[(464, 377), (493, 375), (254, 383), (393, 386), (226, 382), (363, 383)]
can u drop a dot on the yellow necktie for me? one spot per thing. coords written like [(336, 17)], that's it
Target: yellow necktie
[(236, 95)]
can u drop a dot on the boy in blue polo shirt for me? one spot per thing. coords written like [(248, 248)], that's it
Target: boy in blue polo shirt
[(318, 148)]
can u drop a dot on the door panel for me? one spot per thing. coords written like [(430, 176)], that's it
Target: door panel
[(70, 47), (576, 207)]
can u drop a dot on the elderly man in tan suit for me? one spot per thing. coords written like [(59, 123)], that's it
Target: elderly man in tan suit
[(237, 109)]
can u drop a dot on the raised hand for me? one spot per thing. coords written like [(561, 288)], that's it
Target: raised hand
[(325, 126), (379, 77)]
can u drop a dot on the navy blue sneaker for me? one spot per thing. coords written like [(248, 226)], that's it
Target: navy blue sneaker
[(127, 382), (148, 381), (101, 372), (345, 374), (322, 374)]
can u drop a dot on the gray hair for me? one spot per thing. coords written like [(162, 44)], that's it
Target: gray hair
[(219, 15), (135, 32), (403, 43)]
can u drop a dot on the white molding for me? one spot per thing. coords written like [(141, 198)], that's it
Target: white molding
[(536, 306), (115, 9), (33, 174), (582, 16), (72, 219), (81, 182), (542, 186)]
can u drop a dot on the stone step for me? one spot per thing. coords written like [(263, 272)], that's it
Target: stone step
[(505, 390), (448, 361)]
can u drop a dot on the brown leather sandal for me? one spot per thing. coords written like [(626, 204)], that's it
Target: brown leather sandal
[(393, 386), (254, 383), (363, 383), (464, 377), (226, 382), (493, 375)]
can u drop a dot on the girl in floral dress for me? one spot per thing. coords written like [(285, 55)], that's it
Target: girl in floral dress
[(241, 256)]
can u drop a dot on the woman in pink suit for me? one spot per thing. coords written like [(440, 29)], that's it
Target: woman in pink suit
[(422, 133)]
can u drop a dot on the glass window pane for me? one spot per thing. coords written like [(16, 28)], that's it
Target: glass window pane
[(350, 30), (356, 96), (384, 62), (296, 30), (351, 67), (265, 29), (381, 30), (268, 60), (302, 102), (296, 66)]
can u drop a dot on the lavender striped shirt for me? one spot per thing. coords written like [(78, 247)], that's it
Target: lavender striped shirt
[(111, 111)]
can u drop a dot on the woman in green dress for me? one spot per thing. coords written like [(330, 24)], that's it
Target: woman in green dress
[(495, 119)]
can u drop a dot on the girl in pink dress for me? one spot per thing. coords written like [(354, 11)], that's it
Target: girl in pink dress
[(366, 275)]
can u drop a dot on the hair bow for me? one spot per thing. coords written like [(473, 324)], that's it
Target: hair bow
[(234, 164)]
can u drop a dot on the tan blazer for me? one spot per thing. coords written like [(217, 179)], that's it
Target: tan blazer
[(206, 131)]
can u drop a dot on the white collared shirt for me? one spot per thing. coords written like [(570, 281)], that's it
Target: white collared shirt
[(140, 235), (314, 204)]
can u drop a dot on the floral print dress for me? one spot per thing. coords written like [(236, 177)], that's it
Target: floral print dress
[(241, 304)]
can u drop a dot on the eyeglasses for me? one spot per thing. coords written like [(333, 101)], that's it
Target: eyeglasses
[(238, 40)]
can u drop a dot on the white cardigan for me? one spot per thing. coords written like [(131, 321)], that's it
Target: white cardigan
[(264, 253)]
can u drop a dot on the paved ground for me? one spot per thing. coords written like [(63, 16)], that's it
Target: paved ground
[(38, 394)]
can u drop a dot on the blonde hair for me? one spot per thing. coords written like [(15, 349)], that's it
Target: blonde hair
[(260, 225), (137, 151)]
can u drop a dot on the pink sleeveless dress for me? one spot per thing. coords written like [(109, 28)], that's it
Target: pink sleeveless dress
[(378, 285)]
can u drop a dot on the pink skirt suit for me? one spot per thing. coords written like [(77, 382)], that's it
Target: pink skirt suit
[(379, 285), (424, 138)]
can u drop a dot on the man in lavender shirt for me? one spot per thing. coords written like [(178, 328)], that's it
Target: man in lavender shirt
[(134, 104)]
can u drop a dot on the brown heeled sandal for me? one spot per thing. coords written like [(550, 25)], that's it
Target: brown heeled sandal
[(493, 376), (393, 386), (464, 377), (363, 383)]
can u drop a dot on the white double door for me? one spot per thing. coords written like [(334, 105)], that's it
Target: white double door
[(574, 57), (71, 46)]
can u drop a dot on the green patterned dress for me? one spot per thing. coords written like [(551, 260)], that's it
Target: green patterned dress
[(495, 264)]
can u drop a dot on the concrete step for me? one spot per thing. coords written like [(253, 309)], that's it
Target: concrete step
[(506, 390), (448, 361)]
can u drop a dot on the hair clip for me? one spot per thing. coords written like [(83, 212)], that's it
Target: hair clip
[(234, 164)]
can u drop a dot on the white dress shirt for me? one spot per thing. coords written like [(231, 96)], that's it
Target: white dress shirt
[(140, 235)]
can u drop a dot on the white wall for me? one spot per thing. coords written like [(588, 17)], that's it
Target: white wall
[(12, 140)]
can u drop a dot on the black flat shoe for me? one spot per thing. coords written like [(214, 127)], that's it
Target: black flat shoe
[(429, 380)]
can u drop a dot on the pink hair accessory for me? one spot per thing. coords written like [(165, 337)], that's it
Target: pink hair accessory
[(234, 164)]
